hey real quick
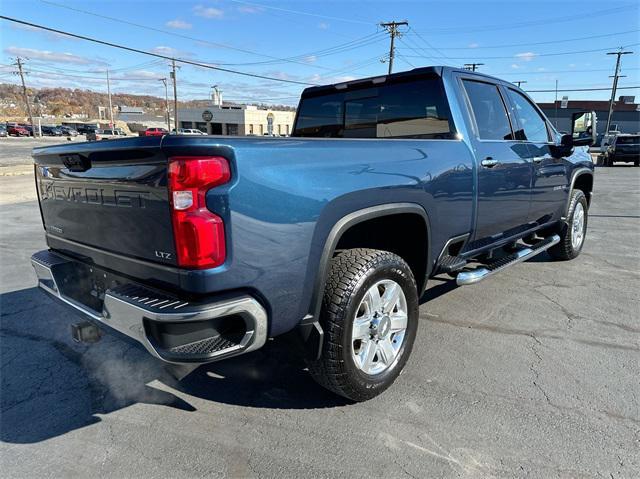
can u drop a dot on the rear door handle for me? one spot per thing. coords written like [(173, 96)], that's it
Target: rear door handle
[(489, 162)]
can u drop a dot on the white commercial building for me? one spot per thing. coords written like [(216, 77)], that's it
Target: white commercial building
[(231, 119)]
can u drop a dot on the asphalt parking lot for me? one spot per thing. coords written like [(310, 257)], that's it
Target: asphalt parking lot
[(534, 372)]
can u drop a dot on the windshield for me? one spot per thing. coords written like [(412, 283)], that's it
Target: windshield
[(407, 109)]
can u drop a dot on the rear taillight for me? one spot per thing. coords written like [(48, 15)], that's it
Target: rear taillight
[(199, 233)]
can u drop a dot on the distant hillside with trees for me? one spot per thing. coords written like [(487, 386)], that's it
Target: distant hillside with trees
[(62, 102)]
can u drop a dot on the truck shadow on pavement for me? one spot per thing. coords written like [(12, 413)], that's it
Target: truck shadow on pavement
[(51, 385)]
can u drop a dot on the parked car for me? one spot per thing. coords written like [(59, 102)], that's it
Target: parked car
[(17, 130), (50, 130), (84, 129), (155, 132), (187, 131), (203, 248), (3, 131), (623, 147), (109, 134), (68, 131)]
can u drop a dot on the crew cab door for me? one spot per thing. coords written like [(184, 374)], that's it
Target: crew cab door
[(504, 169), (549, 189)]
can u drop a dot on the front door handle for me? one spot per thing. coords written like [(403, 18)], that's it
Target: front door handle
[(538, 159), (489, 162)]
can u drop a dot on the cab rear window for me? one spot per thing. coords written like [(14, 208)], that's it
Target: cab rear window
[(407, 109)]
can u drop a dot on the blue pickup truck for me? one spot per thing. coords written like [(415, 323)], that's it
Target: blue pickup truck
[(202, 248)]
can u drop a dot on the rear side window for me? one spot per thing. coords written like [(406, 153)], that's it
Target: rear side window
[(534, 127), (488, 110), (408, 109), (627, 140)]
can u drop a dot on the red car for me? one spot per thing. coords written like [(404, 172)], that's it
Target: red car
[(155, 132), (17, 131)]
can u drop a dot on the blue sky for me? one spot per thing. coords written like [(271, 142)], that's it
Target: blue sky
[(319, 42)]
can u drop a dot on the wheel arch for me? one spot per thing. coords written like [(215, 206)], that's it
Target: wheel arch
[(358, 217), (582, 180)]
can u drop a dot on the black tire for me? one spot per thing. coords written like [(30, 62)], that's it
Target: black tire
[(636, 163), (351, 274), (565, 249)]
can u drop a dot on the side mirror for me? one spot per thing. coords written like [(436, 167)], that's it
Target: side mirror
[(584, 128)]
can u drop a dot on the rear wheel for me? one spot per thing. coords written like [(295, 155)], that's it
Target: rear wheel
[(370, 318), (573, 235)]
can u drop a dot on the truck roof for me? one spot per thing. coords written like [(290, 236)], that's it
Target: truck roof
[(416, 72)]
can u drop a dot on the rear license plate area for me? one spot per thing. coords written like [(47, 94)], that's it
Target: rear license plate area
[(86, 284)]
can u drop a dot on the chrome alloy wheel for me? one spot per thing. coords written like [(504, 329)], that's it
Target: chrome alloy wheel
[(379, 327), (577, 226)]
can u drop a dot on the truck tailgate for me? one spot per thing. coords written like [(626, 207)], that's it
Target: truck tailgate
[(111, 195)]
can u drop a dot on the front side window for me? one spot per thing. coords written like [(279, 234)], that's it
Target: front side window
[(533, 126), (403, 109), (492, 121)]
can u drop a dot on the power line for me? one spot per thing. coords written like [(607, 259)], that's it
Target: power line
[(544, 72), (550, 42), (272, 59), (412, 45), (534, 55), (429, 44), (298, 12), (42, 73), (157, 55), (584, 89), (546, 21)]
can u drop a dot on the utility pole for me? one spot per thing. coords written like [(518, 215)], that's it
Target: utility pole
[(472, 66), (520, 82), (112, 124), (614, 87), (18, 63), (392, 28), (166, 102), (175, 95)]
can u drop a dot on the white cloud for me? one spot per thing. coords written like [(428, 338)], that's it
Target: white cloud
[(310, 59), (48, 35), (143, 74), (572, 65), (207, 12), (170, 52), (344, 78), (515, 66), (526, 56), (473, 45), (179, 24), (323, 26), (57, 57)]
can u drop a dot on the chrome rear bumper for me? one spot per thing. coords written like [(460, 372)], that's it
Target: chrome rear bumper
[(173, 330)]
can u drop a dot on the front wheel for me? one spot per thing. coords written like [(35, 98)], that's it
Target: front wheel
[(370, 318), (573, 235)]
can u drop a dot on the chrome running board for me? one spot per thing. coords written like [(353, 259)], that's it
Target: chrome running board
[(476, 275)]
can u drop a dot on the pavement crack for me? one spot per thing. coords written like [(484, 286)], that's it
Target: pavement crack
[(534, 368)]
